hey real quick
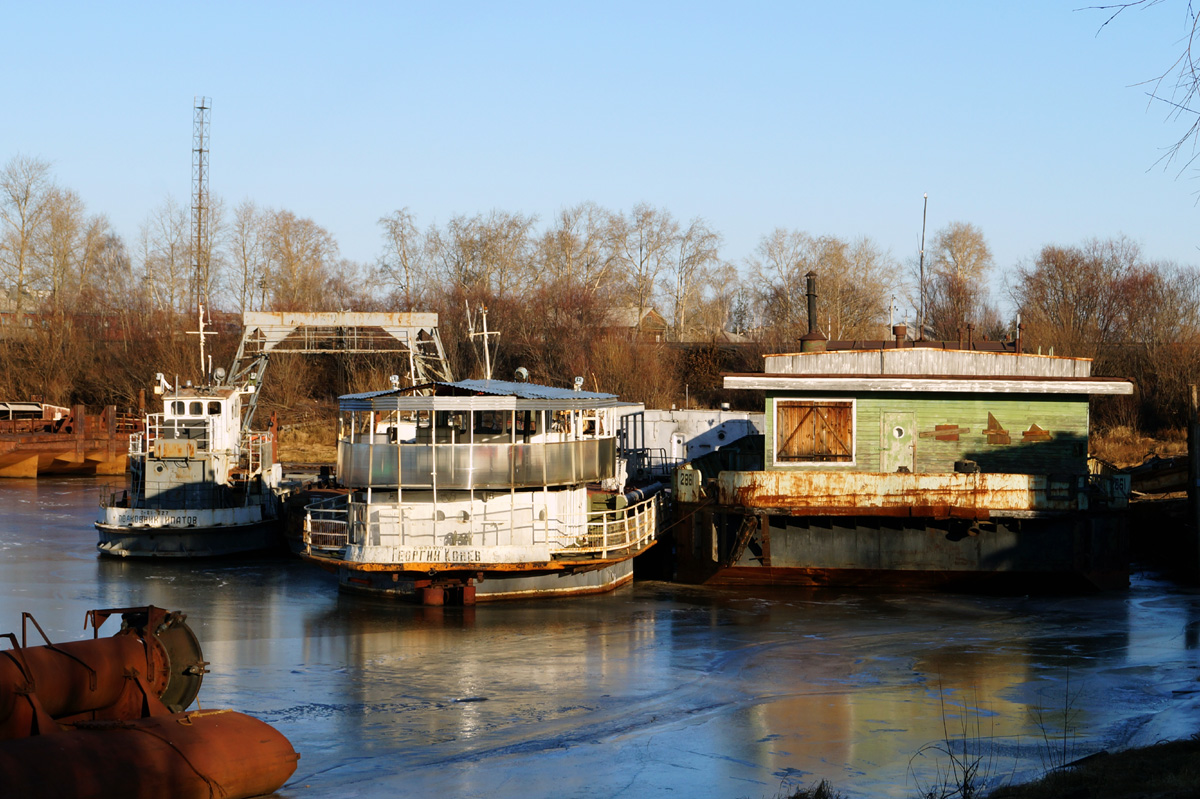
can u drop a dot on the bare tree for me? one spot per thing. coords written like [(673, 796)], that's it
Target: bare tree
[(402, 263), (778, 265), (961, 249), (1178, 85), (575, 251), (165, 251), (249, 256), (643, 244), (303, 257), (26, 194), (488, 255), (696, 253), (956, 291), (724, 306), (856, 279), (1070, 297)]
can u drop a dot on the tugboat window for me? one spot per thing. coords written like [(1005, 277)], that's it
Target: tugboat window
[(177, 408), (214, 409), (196, 409), (814, 431)]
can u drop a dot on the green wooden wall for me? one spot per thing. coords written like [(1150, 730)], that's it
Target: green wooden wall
[(883, 420)]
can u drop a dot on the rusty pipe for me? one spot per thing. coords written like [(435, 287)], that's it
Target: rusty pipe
[(152, 665)]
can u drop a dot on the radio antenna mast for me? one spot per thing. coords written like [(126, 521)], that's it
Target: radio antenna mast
[(201, 244)]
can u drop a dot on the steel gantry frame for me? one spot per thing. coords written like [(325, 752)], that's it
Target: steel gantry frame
[(413, 335)]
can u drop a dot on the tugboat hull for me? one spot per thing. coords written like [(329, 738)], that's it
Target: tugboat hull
[(188, 542)]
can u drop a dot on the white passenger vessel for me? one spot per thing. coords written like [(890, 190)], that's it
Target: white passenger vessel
[(480, 489)]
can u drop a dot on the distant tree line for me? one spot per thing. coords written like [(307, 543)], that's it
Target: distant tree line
[(87, 316)]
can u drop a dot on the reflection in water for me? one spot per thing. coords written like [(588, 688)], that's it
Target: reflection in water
[(653, 689)]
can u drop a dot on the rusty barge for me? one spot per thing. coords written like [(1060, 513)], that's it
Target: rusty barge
[(909, 463), (38, 438)]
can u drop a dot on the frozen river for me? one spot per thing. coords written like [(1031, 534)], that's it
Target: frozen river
[(655, 690)]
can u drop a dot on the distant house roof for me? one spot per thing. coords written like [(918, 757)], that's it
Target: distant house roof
[(630, 316)]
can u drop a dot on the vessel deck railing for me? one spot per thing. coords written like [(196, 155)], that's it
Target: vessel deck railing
[(651, 462), (114, 497), (326, 524), (612, 533), (256, 449), (332, 524)]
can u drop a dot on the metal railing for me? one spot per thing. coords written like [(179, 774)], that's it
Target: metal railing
[(612, 533), (114, 496), (332, 524), (326, 525), (651, 462)]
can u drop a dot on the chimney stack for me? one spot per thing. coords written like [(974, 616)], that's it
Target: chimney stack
[(813, 340)]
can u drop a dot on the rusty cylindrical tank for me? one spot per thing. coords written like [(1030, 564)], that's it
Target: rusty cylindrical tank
[(152, 666), (197, 755)]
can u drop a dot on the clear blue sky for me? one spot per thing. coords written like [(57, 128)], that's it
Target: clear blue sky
[(832, 118)]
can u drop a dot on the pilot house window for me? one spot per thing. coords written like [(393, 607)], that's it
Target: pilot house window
[(820, 431)]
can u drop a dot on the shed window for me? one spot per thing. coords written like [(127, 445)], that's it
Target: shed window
[(820, 431)]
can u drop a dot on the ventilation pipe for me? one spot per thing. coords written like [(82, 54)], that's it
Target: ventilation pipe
[(813, 340)]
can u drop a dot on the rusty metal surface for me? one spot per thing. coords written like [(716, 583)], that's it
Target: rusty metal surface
[(151, 666), (913, 580), (75, 443), (828, 493), (195, 755)]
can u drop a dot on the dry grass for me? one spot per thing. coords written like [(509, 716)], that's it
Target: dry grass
[(1165, 771), (1124, 447), (312, 441)]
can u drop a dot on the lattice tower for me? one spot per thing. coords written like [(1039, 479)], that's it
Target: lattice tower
[(201, 240)]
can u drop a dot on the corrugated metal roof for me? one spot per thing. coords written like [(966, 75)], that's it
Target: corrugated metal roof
[(501, 394), (499, 388), (525, 390)]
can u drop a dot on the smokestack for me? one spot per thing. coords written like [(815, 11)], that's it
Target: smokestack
[(901, 333), (812, 341)]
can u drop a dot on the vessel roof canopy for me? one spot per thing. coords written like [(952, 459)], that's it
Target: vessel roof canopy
[(929, 383), (479, 394)]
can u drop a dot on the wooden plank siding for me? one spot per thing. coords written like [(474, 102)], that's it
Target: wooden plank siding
[(956, 427), (921, 361)]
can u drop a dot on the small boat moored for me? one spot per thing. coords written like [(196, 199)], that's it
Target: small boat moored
[(198, 484)]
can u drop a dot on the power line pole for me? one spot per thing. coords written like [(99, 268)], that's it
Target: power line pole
[(921, 320), (201, 117)]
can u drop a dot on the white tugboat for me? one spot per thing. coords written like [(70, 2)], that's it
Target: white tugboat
[(201, 481), (480, 490), (200, 484)]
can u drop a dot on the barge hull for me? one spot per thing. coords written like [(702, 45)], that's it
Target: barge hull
[(1083, 550), (468, 589)]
